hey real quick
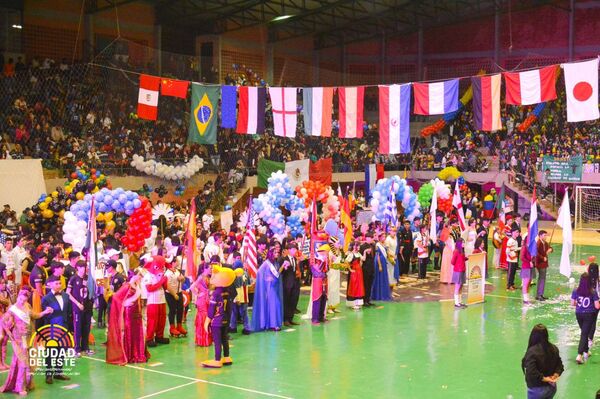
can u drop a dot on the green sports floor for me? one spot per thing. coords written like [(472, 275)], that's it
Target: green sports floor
[(406, 349)]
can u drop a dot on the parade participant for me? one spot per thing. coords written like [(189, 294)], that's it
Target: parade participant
[(459, 265), (174, 298), (526, 268), (497, 238), (438, 243), (219, 312), (469, 236), (267, 310), (201, 290), (333, 275), (449, 236), (37, 281), (71, 265), (126, 343), (319, 290), (60, 304), (422, 245), (5, 302), (16, 324), (57, 269), (541, 263), (82, 306), (595, 284), (512, 257), (381, 285), (392, 264), (368, 252), (586, 302), (290, 277), (405, 247), (155, 283), (506, 234), (213, 248), (240, 303), (207, 220), (356, 289)]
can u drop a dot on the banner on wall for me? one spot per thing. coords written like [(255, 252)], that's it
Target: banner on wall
[(476, 278), (568, 169)]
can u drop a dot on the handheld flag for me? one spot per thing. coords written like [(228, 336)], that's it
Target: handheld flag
[(533, 226), (92, 250), (191, 270), (564, 221)]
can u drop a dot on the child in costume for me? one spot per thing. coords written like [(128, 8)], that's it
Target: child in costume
[(156, 308), (319, 270), (219, 311)]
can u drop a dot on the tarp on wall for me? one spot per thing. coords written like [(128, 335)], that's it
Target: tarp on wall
[(21, 183)]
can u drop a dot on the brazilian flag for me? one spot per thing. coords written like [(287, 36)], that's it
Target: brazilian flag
[(203, 117)]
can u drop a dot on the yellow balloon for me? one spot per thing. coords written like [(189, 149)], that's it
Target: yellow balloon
[(108, 216), (79, 195), (48, 200), (69, 202), (43, 206), (61, 213), (110, 225), (54, 194), (47, 213), (68, 189), (95, 190), (100, 217)]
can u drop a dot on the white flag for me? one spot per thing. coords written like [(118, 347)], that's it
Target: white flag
[(432, 219), (297, 171), (581, 85), (564, 221)]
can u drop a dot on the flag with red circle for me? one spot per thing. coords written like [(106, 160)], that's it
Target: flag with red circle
[(581, 84)]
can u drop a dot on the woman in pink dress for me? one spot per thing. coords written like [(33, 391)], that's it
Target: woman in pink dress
[(16, 324), (201, 289), (126, 343), (448, 238)]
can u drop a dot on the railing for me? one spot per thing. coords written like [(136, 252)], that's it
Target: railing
[(524, 182)]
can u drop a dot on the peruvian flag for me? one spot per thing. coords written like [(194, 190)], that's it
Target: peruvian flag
[(531, 87), (251, 111), (148, 97), (394, 117), (436, 98), (457, 203), (351, 102), (581, 83)]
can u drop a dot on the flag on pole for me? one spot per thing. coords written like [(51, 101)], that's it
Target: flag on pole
[(313, 230), (285, 113), (249, 250), (317, 106), (486, 102), (581, 83), (531, 87), (394, 117), (148, 97), (191, 269), (251, 112), (436, 98), (533, 226), (297, 171), (92, 250), (457, 203), (351, 102), (564, 222), (391, 213), (432, 217), (346, 221)]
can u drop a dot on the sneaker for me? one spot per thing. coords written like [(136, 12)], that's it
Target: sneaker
[(590, 344), (586, 355), (458, 306), (90, 352), (579, 359), (463, 305)]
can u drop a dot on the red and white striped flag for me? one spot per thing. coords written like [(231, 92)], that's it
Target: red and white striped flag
[(148, 97), (249, 250), (457, 203), (351, 104), (530, 87)]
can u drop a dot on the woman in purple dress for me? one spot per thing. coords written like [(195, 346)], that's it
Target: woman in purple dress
[(16, 324)]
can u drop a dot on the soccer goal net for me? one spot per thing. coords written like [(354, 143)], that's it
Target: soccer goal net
[(587, 208)]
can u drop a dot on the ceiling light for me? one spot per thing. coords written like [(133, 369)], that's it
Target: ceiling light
[(281, 18), (17, 26)]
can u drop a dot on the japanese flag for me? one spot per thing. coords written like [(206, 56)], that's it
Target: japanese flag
[(581, 84)]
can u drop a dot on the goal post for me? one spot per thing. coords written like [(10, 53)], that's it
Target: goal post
[(587, 208)]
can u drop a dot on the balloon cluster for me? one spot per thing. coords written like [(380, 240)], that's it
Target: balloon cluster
[(146, 190), (449, 173), (425, 194), (532, 117), (85, 181), (179, 190), (106, 200), (280, 194), (74, 231), (169, 172), (396, 188), (138, 227), (250, 74), (443, 196), (161, 191), (50, 206), (322, 193)]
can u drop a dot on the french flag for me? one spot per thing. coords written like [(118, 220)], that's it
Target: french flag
[(373, 173), (436, 98), (531, 87), (251, 112), (533, 226), (394, 117)]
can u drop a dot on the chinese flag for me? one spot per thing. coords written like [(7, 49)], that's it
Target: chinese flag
[(174, 88)]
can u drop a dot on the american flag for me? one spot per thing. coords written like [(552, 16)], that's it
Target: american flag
[(249, 244), (92, 250)]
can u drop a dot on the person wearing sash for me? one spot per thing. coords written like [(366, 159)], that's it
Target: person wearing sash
[(381, 285), (319, 290), (267, 310)]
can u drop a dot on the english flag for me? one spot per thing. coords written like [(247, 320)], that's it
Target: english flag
[(457, 203), (285, 113), (531, 87), (394, 117), (581, 83), (436, 98), (148, 97), (351, 102)]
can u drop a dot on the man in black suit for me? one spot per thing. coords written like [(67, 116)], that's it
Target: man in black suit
[(59, 302), (290, 277)]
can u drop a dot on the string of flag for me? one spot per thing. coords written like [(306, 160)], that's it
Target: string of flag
[(243, 107)]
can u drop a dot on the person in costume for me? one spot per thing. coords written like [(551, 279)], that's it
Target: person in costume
[(5, 302), (37, 281), (422, 245), (16, 325), (267, 310), (156, 307), (507, 233), (82, 306), (126, 343), (393, 267), (541, 263), (459, 278), (240, 303), (219, 311), (526, 268), (368, 253), (438, 243), (333, 275), (469, 236), (497, 238), (405, 247), (512, 257), (174, 298), (356, 290), (290, 277), (201, 290), (449, 236), (381, 285), (319, 290)]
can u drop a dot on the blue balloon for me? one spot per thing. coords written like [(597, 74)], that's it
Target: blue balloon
[(128, 212), (99, 197), (98, 173), (137, 203), (122, 198), (128, 205), (81, 215), (102, 207), (116, 205), (108, 199)]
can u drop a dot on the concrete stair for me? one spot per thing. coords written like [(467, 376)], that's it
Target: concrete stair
[(545, 204)]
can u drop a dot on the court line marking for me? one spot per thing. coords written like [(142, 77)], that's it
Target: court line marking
[(168, 390), (195, 380), (505, 297)]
